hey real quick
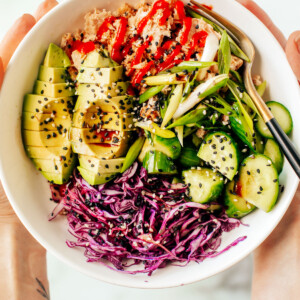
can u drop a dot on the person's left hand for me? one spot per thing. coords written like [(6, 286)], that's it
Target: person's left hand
[(22, 259)]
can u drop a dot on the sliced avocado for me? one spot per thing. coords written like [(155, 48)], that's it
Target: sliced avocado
[(54, 90), (95, 178), (63, 152), (44, 138), (109, 121), (45, 122), (100, 151), (52, 75), (98, 59), (97, 91), (101, 166), (39, 103), (56, 57), (53, 165), (100, 75), (93, 136), (121, 105), (170, 147)]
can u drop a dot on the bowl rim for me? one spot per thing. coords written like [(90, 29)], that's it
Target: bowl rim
[(49, 247)]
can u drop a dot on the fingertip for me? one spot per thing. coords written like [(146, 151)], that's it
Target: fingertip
[(44, 7), (292, 51), (265, 19)]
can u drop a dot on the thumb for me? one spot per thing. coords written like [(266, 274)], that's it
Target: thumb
[(292, 51)]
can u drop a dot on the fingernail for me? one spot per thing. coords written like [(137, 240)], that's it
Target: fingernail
[(297, 42)]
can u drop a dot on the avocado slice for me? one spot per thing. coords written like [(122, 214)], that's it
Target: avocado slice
[(41, 104), (93, 136), (101, 166), (95, 178), (101, 151), (97, 75), (44, 138), (62, 152), (98, 59), (56, 57), (54, 90), (97, 91), (53, 75), (109, 121), (45, 122), (121, 105), (63, 177)]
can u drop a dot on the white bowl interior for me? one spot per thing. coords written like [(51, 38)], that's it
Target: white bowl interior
[(29, 193)]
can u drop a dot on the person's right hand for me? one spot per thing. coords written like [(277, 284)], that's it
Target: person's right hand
[(276, 273)]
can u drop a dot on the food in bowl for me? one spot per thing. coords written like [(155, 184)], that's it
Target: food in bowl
[(153, 148)]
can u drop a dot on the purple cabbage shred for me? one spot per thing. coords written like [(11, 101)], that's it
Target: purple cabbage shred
[(140, 220)]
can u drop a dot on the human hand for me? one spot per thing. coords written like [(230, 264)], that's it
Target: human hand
[(277, 262), (22, 260)]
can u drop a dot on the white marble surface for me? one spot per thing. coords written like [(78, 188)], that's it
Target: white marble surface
[(235, 283)]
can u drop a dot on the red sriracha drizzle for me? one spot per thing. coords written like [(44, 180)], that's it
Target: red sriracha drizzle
[(82, 47), (187, 24), (160, 4), (198, 39), (138, 55), (179, 6), (116, 54), (169, 61), (105, 26), (138, 76)]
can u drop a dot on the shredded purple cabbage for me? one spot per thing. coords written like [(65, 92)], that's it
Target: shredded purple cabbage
[(140, 220)]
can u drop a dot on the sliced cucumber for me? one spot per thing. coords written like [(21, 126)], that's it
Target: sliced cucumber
[(237, 207), (188, 157), (170, 147), (204, 185), (258, 182), (156, 162), (273, 151), (221, 152), (281, 114)]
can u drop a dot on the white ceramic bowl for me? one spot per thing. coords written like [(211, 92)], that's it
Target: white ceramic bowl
[(29, 193)]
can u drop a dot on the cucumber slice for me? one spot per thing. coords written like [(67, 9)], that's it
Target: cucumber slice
[(170, 147), (204, 185), (188, 157), (273, 151), (237, 207), (221, 152), (156, 162), (281, 114), (258, 182)]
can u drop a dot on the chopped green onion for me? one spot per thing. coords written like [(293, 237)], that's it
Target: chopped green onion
[(133, 153), (191, 66), (192, 117), (235, 49), (155, 129), (173, 104), (261, 88), (151, 92), (162, 79), (201, 91), (224, 54)]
